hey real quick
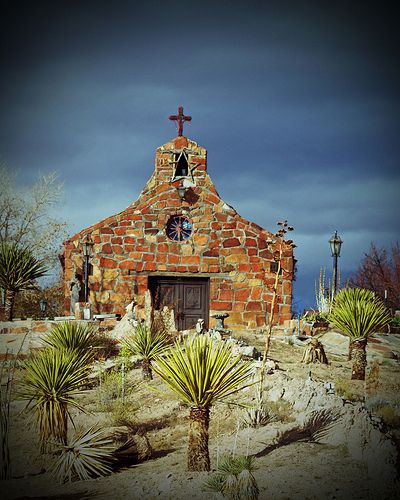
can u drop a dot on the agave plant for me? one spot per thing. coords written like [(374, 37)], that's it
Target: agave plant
[(201, 372), (18, 271), (52, 378), (89, 454), (148, 343), (358, 313), (73, 336)]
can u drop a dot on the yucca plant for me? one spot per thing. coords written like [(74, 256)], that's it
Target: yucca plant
[(89, 454), (201, 372), (147, 343), (358, 313), (18, 271), (73, 336), (234, 478), (51, 380)]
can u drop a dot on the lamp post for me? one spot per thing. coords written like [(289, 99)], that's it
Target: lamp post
[(336, 244), (87, 250), (42, 305)]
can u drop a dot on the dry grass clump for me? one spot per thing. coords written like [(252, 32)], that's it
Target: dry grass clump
[(349, 390)]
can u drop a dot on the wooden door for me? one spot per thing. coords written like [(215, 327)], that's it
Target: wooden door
[(187, 296)]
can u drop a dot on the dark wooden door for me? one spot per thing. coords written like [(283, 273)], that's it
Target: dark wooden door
[(187, 296)]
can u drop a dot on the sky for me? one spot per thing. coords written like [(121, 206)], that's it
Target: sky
[(296, 103)]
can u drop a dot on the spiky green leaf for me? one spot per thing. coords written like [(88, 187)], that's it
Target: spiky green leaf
[(201, 372), (358, 312)]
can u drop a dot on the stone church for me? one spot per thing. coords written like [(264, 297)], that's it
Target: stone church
[(182, 242)]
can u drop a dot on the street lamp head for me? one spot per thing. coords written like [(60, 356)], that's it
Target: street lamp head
[(87, 245), (335, 243)]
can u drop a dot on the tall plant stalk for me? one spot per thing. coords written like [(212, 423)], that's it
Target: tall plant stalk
[(7, 371), (280, 235)]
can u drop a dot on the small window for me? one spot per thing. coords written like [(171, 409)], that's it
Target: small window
[(179, 228), (181, 165), (273, 267)]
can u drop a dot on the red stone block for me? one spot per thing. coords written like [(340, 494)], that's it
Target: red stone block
[(180, 142), (244, 268), (214, 252), (129, 248), (252, 251), (220, 306), (149, 266), (250, 242), (266, 254), (254, 306), (106, 230), (193, 269), (117, 249), (260, 321), (214, 269), (107, 263), (116, 240), (256, 293), (129, 240), (173, 259), (212, 199), (226, 294), (148, 257), (190, 259), (124, 288), (242, 294), (162, 248), (181, 269), (261, 243), (127, 264)]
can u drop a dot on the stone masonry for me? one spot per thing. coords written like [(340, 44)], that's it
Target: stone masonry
[(234, 254)]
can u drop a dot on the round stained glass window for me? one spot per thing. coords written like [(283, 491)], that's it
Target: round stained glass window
[(179, 228)]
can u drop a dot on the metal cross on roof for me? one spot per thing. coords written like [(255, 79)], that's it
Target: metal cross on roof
[(180, 118)]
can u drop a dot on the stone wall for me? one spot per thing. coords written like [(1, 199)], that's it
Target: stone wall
[(235, 254)]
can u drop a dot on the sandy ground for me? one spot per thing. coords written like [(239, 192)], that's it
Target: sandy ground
[(300, 470)]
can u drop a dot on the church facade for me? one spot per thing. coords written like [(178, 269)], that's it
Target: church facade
[(182, 242)]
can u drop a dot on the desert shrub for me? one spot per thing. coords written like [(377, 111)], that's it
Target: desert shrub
[(111, 389), (51, 380), (234, 478), (123, 413), (147, 343), (380, 407), (74, 336), (395, 321), (89, 454), (280, 410), (348, 390), (106, 347), (389, 415), (258, 415)]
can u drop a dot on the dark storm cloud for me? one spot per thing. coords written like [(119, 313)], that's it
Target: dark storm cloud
[(296, 104)]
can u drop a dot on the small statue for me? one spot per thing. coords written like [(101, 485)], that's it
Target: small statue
[(75, 287), (200, 326)]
